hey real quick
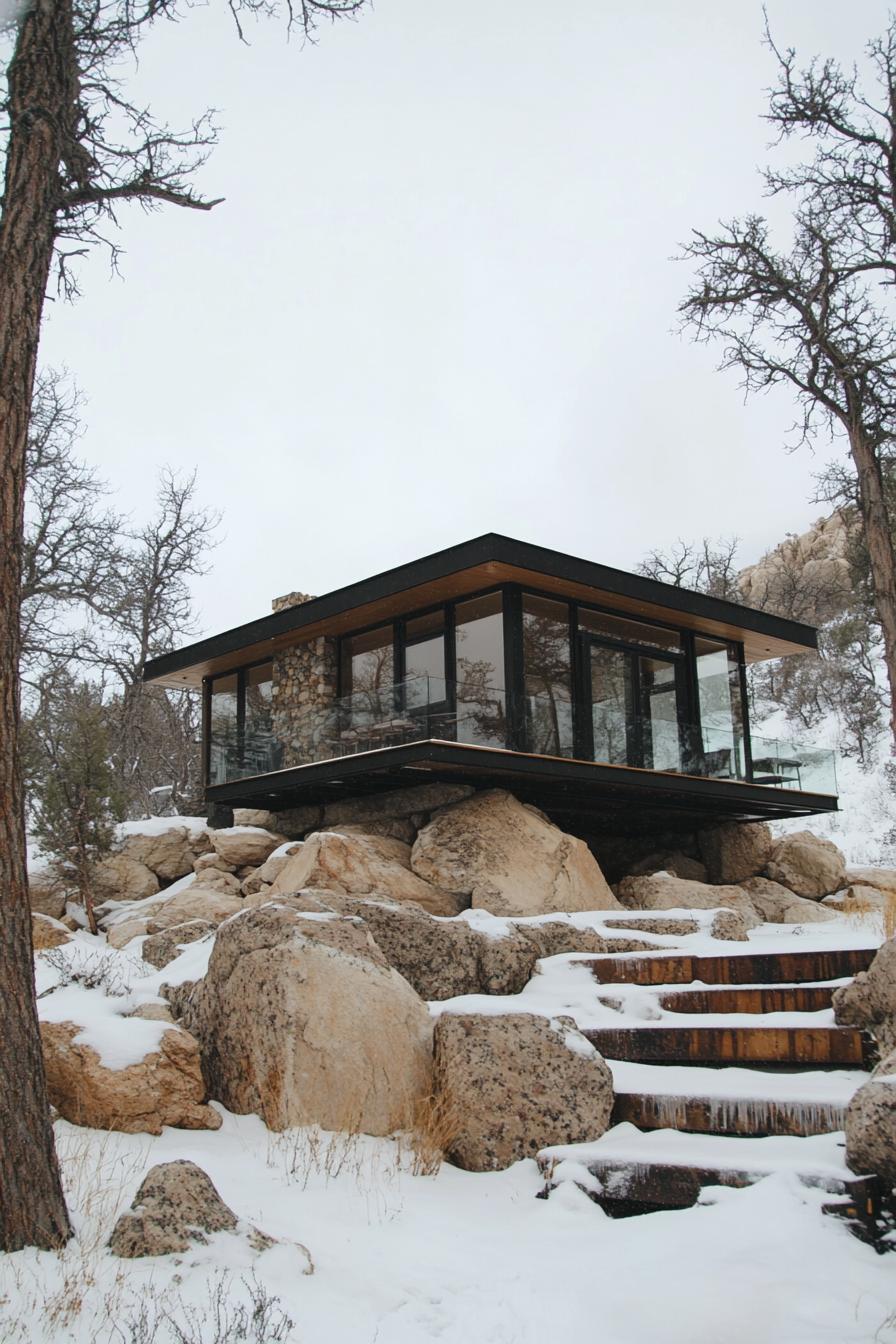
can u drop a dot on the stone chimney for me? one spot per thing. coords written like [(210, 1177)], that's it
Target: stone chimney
[(290, 600)]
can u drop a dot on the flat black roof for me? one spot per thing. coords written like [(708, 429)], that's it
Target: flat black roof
[(488, 559)]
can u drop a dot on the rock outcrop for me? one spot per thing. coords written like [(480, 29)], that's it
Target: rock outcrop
[(47, 933), (163, 1088), (302, 1020), (161, 948), (780, 905), (733, 853), (169, 854), (196, 902), (871, 1125), (239, 845), (518, 1083), (120, 878), (807, 864), (869, 1001), (663, 892), (361, 865), (506, 857)]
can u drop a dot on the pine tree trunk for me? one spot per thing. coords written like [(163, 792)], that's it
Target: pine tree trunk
[(42, 95), (879, 540)]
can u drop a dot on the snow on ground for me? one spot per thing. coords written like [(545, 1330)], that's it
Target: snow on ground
[(460, 1258)]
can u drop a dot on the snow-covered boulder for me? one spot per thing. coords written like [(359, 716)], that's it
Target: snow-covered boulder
[(734, 852), (195, 902), (871, 1125), (503, 856), (176, 1209), (47, 933), (518, 1082), (361, 865), (161, 948), (302, 1020), (170, 854), (780, 905), (661, 891), (807, 864), (869, 1001), (241, 845), (148, 1075)]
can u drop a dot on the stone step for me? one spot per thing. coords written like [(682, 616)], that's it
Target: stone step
[(757, 999), (790, 1046), (754, 1117), (746, 968)]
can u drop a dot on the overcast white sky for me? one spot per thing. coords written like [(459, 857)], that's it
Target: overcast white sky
[(438, 300)]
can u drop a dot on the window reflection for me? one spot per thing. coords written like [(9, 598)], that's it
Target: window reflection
[(661, 745), (424, 661), (224, 729), (721, 708), (260, 751), (368, 674), (479, 643), (610, 704), (627, 631), (547, 676)]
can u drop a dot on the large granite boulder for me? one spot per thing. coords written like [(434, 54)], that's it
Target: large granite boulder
[(165, 1087), (869, 1001), (807, 864), (660, 891), (676, 863), (120, 878), (881, 879), (178, 1208), (871, 1125), (734, 852), (506, 857), (195, 902), (244, 845), (302, 1021), (780, 905), (169, 854), (517, 1083), (361, 865)]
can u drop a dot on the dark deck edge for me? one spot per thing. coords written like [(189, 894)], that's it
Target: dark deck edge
[(490, 547), (582, 785)]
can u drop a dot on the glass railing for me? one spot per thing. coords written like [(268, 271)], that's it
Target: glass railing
[(430, 708)]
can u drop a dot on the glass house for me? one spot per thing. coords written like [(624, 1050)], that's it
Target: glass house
[(612, 701)]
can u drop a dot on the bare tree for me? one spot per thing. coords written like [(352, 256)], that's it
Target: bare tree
[(71, 547), (815, 315), (705, 566), (76, 151)]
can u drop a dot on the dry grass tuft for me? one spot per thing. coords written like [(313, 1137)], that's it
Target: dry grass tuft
[(880, 913), (436, 1121)]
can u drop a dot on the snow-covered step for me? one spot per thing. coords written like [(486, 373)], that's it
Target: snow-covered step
[(738, 968), (794, 1046), (668, 1169), (737, 1101)]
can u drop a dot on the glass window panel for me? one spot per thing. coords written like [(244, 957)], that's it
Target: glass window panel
[(368, 673), (223, 730), (479, 642), (610, 671), (547, 671), (627, 631), (721, 708), (661, 743), (260, 751), (424, 672)]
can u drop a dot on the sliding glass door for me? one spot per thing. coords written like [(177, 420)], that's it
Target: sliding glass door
[(634, 707)]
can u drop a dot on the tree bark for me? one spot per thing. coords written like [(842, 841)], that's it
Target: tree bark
[(879, 540), (42, 100)]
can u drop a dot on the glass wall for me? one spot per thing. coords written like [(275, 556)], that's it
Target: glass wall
[(424, 661), (658, 697), (612, 721), (479, 671), (547, 676), (241, 741), (224, 756), (721, 709), (625, 631), (368, 673)]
